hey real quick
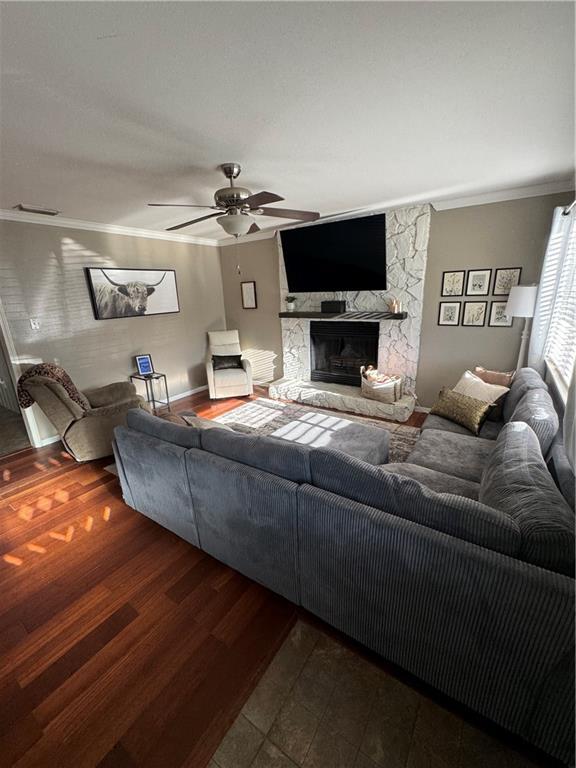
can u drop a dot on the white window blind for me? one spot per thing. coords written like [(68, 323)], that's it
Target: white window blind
[(554, 330), (560, 349)]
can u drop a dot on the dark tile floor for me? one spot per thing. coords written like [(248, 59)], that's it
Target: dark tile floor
[(321, 705)]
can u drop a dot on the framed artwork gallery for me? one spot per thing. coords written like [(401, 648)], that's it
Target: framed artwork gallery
[(474, 315), (449, 313)]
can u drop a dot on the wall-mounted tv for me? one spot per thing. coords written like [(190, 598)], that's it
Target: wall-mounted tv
[(348, 255)]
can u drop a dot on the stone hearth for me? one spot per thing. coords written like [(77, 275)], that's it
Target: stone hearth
[(340, 397)]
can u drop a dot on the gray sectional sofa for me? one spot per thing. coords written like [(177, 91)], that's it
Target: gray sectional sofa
[(457, 565)]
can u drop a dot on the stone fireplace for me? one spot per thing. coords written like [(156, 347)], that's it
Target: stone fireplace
[(398, 340)]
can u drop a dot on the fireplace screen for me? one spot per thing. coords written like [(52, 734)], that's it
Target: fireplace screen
[(339, 349)]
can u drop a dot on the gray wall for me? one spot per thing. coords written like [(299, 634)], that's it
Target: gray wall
[(260, 332), (42, 276), (507, 234)]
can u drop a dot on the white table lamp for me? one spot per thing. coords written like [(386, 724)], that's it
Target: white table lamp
[(521, 303)]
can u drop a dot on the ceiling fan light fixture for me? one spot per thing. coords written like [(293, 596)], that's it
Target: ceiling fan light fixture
[(235, 224)]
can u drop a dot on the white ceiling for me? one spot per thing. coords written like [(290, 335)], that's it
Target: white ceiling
[(335, 106)]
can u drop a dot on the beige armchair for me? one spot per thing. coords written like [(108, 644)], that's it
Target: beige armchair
[(86, 430), (230, 382)]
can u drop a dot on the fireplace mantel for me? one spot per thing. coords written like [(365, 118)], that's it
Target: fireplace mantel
[(347, 315)]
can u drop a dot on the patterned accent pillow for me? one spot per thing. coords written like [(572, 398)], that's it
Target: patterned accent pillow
[(461, 409)]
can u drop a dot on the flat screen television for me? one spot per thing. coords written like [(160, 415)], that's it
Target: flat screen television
[(348, 255)]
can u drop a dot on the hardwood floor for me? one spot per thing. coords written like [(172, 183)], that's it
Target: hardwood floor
[(121, 645)]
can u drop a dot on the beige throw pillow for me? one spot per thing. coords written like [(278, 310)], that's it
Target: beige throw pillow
[(475, 387), (461, 409)]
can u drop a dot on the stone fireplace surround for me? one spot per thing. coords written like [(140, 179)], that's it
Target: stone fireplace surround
[(407, 232)]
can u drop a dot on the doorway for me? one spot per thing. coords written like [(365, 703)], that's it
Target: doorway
[(13, 434)]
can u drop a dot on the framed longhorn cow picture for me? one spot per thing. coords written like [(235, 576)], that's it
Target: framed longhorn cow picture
[(118, 293)]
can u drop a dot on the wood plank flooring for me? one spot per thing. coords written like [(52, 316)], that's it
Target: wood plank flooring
[(120, 644)]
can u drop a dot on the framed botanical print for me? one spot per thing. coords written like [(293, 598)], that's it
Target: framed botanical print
[(453, 283), (505, 279), (474, 313), (478, 282), (249, 295), (498, 317), (449, 313)]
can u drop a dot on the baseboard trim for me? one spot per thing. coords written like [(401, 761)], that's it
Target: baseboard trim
[(188, 392), (48, 441), (422, 409)]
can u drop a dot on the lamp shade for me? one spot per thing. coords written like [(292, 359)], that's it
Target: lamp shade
[(235, 223), (522, 301)]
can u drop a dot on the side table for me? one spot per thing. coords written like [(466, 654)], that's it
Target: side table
[(149, 379)]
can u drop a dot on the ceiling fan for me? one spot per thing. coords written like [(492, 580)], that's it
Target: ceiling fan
[(236, 206)]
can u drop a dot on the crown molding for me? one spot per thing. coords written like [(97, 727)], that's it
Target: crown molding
[(94, 226), (504, 195)]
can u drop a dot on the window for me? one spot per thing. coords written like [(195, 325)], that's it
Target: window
[(554, 332)]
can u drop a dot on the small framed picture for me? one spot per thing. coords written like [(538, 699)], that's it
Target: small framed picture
[(249, 300), (505, 279), (449, 313), (498, 317), (453, 283), (144, 365), (474, 313), (478, 283)]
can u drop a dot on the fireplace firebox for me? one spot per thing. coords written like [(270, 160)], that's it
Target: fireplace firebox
[(338, 349)]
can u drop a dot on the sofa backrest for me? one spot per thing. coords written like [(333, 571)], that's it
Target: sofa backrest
[(536, 409), (142, 421), (516, 481), (270, 454), (224, 343), (524, 380), (404, 497)]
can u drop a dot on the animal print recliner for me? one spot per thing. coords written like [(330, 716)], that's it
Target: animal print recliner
[(85, 421)]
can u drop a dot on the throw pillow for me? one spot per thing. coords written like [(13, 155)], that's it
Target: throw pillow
[(502, 378), (223, 362), (475, 387), (461, 409)]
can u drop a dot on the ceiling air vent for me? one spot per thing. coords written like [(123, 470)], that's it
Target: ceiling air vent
[(36, 209)]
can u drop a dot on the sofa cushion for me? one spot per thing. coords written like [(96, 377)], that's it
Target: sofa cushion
[(516, 481), (525, 380), (142, 421), (436, 481), (462, 409), (489, 430), (537, 410), (230, 377), (463, 456), (270, 454), (405, 497)]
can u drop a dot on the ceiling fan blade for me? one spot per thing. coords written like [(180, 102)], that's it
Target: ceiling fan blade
[(287, 213), (194, 221), (261, 198), (177, 205), (254, 228)]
